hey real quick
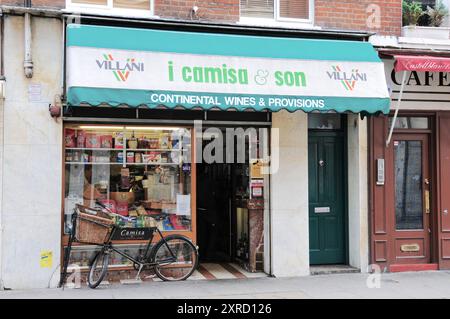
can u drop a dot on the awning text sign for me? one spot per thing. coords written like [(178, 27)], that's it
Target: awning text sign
[(118, 76), (422, 63)]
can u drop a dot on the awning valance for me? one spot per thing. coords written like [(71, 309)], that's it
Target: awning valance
[(136, 67), (421, 63)]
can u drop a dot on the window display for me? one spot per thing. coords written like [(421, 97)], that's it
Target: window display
[(141, 172)]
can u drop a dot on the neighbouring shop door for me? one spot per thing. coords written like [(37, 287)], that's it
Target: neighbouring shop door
[(327, 198), (411, 198)]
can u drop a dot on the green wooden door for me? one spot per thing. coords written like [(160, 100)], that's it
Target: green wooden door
[(327, 198)]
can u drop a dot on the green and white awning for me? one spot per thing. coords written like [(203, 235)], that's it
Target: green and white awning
[(136, 67)]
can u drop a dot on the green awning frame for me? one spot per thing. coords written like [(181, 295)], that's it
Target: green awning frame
[(136, 67)]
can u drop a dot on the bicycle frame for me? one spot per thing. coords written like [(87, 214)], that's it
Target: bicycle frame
[(108, 245)]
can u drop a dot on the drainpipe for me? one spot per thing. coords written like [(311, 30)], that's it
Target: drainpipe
[(2, 95), (28, 61)]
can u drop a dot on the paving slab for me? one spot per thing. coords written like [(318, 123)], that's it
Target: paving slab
[(433, 284)]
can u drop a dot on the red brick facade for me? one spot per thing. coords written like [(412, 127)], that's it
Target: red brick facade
[(378, 16), (208, 10), (360, 15), (36, 3)]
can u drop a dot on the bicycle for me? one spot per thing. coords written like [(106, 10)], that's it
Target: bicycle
[(173, 258)]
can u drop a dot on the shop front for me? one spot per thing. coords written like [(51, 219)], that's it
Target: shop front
[(198, 134), (409, 167)]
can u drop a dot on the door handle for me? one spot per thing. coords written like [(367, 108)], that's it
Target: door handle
[(427, 201)]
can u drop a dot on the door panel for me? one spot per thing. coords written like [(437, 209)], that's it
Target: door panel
[(412, 197), (443, 219), (326, 198)]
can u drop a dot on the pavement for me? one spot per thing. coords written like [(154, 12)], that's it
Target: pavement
[(410, 285)]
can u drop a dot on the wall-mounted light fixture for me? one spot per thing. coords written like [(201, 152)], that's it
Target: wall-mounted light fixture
[(55, 108), (194, 12)]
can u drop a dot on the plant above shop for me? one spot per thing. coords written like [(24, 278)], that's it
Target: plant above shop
[(415, 14), (437, 14), (412, 11)]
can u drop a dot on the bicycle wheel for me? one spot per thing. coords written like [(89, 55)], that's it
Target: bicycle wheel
[(99, 268), (176, 258)]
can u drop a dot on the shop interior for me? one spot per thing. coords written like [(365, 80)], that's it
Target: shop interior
[(223, 193), (139, 172)]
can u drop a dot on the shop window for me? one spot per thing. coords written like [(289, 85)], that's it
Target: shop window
[(143, 173), (280, 10), (403, 122), (318, 121), (131, 7)]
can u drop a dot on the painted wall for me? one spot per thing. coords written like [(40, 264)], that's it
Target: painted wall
[(289, 196), (31, 206), (358, 223)]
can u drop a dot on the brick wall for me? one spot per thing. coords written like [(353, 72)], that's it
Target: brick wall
[(352, 15), (209, 10), (36, 3), (333, 14)]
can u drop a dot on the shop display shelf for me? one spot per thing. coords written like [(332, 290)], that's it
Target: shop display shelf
[(93, 149), (94, 163), (155, 164), (128, 164), (153, 150)]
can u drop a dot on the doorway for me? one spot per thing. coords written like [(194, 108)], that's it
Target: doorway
[(412, 198), (214, 207), (223, 191), (327, 192)]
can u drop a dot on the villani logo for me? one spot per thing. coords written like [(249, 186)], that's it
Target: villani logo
[(348, 79), (120, 69)]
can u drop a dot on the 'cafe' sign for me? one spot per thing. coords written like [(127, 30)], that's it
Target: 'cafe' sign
[(417, 78)]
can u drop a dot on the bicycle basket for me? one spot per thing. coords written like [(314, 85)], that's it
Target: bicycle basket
[(91, 229)]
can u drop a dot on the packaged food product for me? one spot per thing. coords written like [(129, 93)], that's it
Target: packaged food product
[(110, 204), (123, 197), (106, 141), (133, 213), (93, 140), (164, 141), (69, 138), (151, 157), (141, 211), (81, 137), (133, 143), (143, 143), (137, 158), (130, 157), (119, 140), (175, 222), (122, 209), (154, 143)]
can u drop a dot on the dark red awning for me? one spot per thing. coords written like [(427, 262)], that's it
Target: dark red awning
[(421, 63)]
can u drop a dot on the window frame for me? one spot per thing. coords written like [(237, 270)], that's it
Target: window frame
[(310, 11), (109, 9), (277, 20)]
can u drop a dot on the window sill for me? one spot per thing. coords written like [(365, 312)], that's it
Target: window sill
[(124, 13), (264, 22), (441, 33)]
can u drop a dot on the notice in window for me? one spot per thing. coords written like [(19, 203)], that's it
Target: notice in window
[(184, 205)]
